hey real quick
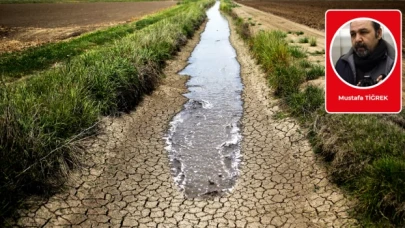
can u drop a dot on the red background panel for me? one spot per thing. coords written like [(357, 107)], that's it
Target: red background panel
[(391, 87)]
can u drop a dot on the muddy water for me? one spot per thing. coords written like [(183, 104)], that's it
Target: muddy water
[(204, 138)]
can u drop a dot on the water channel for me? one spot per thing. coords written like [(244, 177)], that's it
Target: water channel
[(204, 138)]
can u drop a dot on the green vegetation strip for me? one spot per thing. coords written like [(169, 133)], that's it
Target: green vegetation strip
[(17, 64), (42, 117), (364, 153)]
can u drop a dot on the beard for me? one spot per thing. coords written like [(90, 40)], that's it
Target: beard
[(361, 50)]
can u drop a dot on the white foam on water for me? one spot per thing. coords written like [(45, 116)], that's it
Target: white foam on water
[(207, 105), (179, 178)]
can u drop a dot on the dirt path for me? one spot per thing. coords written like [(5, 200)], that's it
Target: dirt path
[(128, 183)]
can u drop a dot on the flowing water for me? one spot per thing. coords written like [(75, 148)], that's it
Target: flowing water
[(204, 138)]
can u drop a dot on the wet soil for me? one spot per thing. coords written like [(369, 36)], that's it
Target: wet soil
[(26, 25)]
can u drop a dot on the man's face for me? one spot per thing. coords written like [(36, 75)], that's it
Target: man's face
[(364, 37)]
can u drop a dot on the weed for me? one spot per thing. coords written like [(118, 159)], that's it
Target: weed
[(318, 52), (385, 180), (304, 104), (303, 40), (315, 72), (280, 115), (299, 33), (304, 63), (366, 155), (285, 80), (312, 41), (271, 49), (296, 52)]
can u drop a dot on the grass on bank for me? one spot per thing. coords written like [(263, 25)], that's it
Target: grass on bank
[(43, 116), (17, 64), (303, 40), (364, 153), (312, 41), (322, 52)]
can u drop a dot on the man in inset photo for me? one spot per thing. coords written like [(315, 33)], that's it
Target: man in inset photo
[(370, 58)]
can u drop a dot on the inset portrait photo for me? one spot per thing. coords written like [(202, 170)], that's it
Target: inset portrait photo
[(363, 53)]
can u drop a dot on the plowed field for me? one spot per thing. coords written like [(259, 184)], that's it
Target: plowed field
[(23, 25)]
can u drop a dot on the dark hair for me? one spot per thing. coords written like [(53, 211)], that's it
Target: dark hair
[(376, 27)]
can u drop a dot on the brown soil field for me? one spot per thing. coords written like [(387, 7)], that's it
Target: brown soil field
[(312, 13), (24, 25)]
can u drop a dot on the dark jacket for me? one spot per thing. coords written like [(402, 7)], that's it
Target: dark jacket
[(347, 71)]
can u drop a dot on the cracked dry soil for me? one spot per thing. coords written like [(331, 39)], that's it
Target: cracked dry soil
[(127, 181)]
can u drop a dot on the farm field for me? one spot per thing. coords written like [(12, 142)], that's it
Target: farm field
[(25, 25), (312, 13)]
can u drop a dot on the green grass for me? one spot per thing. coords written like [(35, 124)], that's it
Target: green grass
[(312, 41), (315, 72), (297, 52), (298, 33), (227, 5), (280, 115), (364, 154), (303, 40), (318, 52), (43, 116), (304, 63), (271, 55), (304, 104), (18, 64)]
